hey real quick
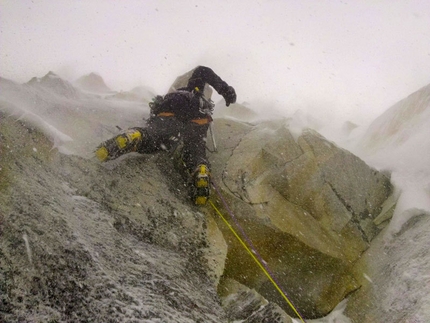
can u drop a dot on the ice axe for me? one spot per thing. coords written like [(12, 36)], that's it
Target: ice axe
[(212, 131), (207, 108)]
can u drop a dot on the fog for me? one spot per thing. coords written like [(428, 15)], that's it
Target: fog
[(343, 60)]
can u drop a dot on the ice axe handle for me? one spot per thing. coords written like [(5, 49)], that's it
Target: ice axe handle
[(212, 131)]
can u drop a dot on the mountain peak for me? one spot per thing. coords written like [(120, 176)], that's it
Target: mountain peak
[(92, 82), (56, 84), (51, 74)]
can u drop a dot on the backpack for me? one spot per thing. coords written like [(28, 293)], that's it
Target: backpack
[(197, 102), (155, 105)]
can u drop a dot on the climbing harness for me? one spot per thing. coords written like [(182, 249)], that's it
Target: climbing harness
[(251, 250)]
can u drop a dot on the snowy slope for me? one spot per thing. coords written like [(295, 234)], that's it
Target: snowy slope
[(398, 142), (396, 267), (75, 121)]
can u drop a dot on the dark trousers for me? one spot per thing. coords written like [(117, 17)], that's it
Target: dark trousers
[(163, 133)]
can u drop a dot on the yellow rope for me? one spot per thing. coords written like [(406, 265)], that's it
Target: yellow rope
[(258, 262)]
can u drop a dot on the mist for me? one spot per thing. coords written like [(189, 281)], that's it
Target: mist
[(343, 60)]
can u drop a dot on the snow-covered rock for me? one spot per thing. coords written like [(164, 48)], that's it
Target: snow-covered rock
[(122, 237), (92, 83), (307, 206), (81, 242), (56, 85)]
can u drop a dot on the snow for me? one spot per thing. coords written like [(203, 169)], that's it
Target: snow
[(27, 247), (74, 124), (404, 153), (398, 142), (336, 316)]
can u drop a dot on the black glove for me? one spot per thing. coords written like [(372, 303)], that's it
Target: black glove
[(229, 95)]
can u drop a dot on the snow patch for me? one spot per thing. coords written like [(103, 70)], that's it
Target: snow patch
[(336, 316)]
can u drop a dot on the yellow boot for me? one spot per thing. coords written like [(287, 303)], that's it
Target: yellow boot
[(119, 145), (200, 190)]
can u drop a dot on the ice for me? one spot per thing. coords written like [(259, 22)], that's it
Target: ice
[(336, 316)]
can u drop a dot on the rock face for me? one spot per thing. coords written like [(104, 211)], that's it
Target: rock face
[(246, 305), (83, 243), (394, 270), (394, 277), (122, 237), (306, 205)]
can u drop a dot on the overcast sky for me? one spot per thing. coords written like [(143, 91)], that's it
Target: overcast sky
[(353, 58)]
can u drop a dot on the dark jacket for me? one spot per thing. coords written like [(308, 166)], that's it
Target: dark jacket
[(186, 102)]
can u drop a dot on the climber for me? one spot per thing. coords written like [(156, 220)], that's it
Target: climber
[(183, 114)]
